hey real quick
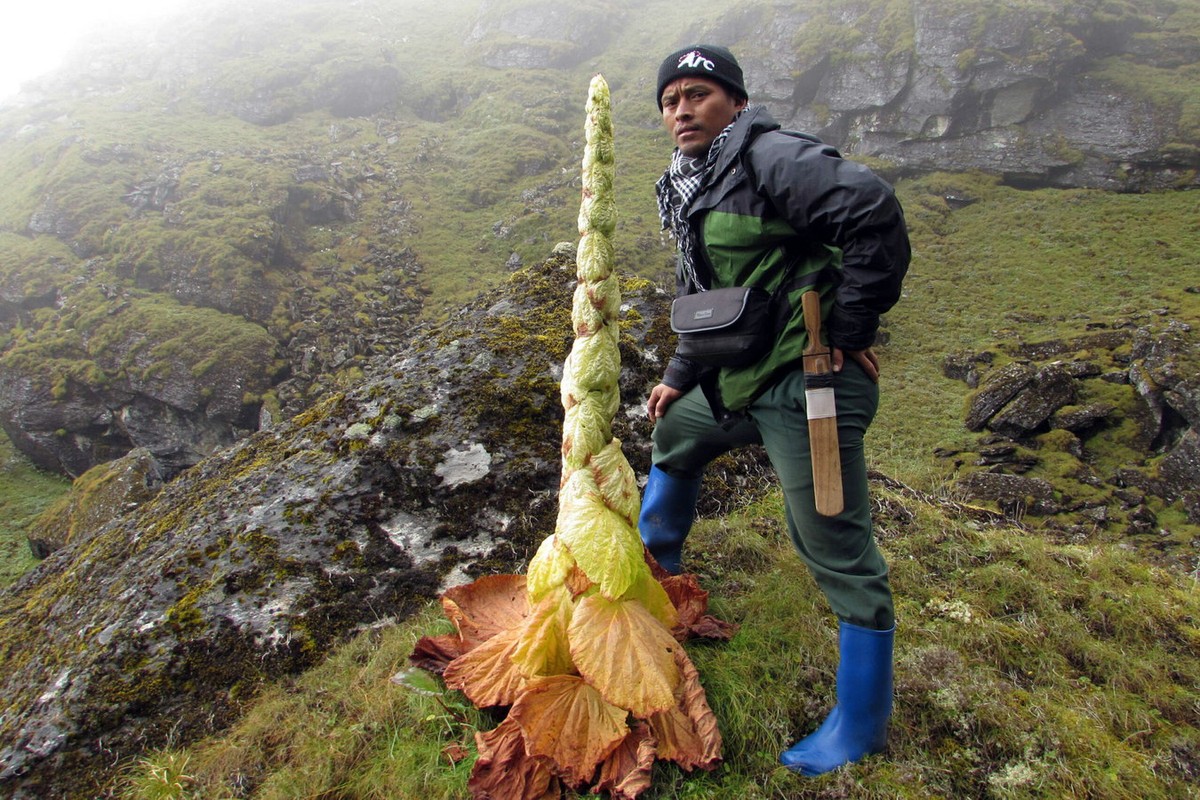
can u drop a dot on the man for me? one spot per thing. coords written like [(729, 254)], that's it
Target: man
[(750, 204)]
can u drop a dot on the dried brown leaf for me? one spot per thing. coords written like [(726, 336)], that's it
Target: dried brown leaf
[(687, 734), (487, 674), (505, 771), (691, 603), (434, 653), (485, 607), (626, 773), (567, 721)]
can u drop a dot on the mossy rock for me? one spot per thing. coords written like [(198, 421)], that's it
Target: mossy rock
[(97, 497), (250, 565)]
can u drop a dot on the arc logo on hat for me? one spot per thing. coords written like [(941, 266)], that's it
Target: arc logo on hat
[(695, 59), (707, 60)]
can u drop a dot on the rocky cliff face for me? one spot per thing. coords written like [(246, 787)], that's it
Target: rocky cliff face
[(1042, 94), (132, 392), (540, 35), (1045, 94)]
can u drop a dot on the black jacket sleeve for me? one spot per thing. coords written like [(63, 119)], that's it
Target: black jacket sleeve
[(830, 200)]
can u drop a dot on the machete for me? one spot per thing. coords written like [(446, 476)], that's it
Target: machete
[(822, 413)]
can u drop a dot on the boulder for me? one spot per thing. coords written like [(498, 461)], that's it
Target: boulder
[(999, 388), (1049, 389), (1165, 369), (1078, 419), (1015, 495), (99, 496), (965, 366), (1179, 472)]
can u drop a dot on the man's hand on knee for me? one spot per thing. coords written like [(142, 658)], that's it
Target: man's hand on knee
[(661, 396)]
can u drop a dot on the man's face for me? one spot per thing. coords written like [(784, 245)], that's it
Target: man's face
[(695, 111)]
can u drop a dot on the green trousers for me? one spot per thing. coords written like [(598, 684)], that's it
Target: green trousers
[(840, 551)]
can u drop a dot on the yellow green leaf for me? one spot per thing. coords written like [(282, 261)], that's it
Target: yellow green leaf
[(627, 654), (587, 428), (604, 544), (594, 257), (566, 720), (542, 647), (548, 569), (594, 363), (586, 318), (616, 481), (651, 594), (604, 296), (597, 213)]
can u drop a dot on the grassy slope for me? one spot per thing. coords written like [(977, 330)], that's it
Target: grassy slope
[(1014, 679), (24, 493), (1024, 668)]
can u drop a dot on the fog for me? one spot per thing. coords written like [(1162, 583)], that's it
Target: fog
[(36, 35)]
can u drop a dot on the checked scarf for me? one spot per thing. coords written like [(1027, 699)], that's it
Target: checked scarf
[(676, 190)]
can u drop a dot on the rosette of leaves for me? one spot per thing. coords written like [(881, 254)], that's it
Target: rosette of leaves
[(583, 652)]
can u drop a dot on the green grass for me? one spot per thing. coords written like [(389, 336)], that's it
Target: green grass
[(1017, 266), (25, 492), (1023, 670)]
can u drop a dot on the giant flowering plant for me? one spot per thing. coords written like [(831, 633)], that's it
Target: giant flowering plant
[(584, 650)]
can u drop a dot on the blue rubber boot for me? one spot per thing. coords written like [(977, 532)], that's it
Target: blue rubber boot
[(668, 507), (857, 726)]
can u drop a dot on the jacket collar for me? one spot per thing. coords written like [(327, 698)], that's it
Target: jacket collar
[(755, 121)]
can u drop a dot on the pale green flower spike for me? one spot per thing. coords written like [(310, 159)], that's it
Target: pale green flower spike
[(584, 643), (598, 502)]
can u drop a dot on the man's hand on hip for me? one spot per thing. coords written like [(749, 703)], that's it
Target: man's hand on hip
[(866, 359)]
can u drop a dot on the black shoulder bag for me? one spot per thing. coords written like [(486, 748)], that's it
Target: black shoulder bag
[(730, 327)]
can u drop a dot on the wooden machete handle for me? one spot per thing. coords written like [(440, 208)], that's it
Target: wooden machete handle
[(822, 412)]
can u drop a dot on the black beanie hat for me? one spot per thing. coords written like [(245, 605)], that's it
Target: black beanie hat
[(705, 60)]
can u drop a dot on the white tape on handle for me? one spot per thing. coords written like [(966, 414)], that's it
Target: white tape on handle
[(820, 403)]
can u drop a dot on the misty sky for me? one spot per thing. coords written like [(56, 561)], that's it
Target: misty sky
[(36, 34)]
